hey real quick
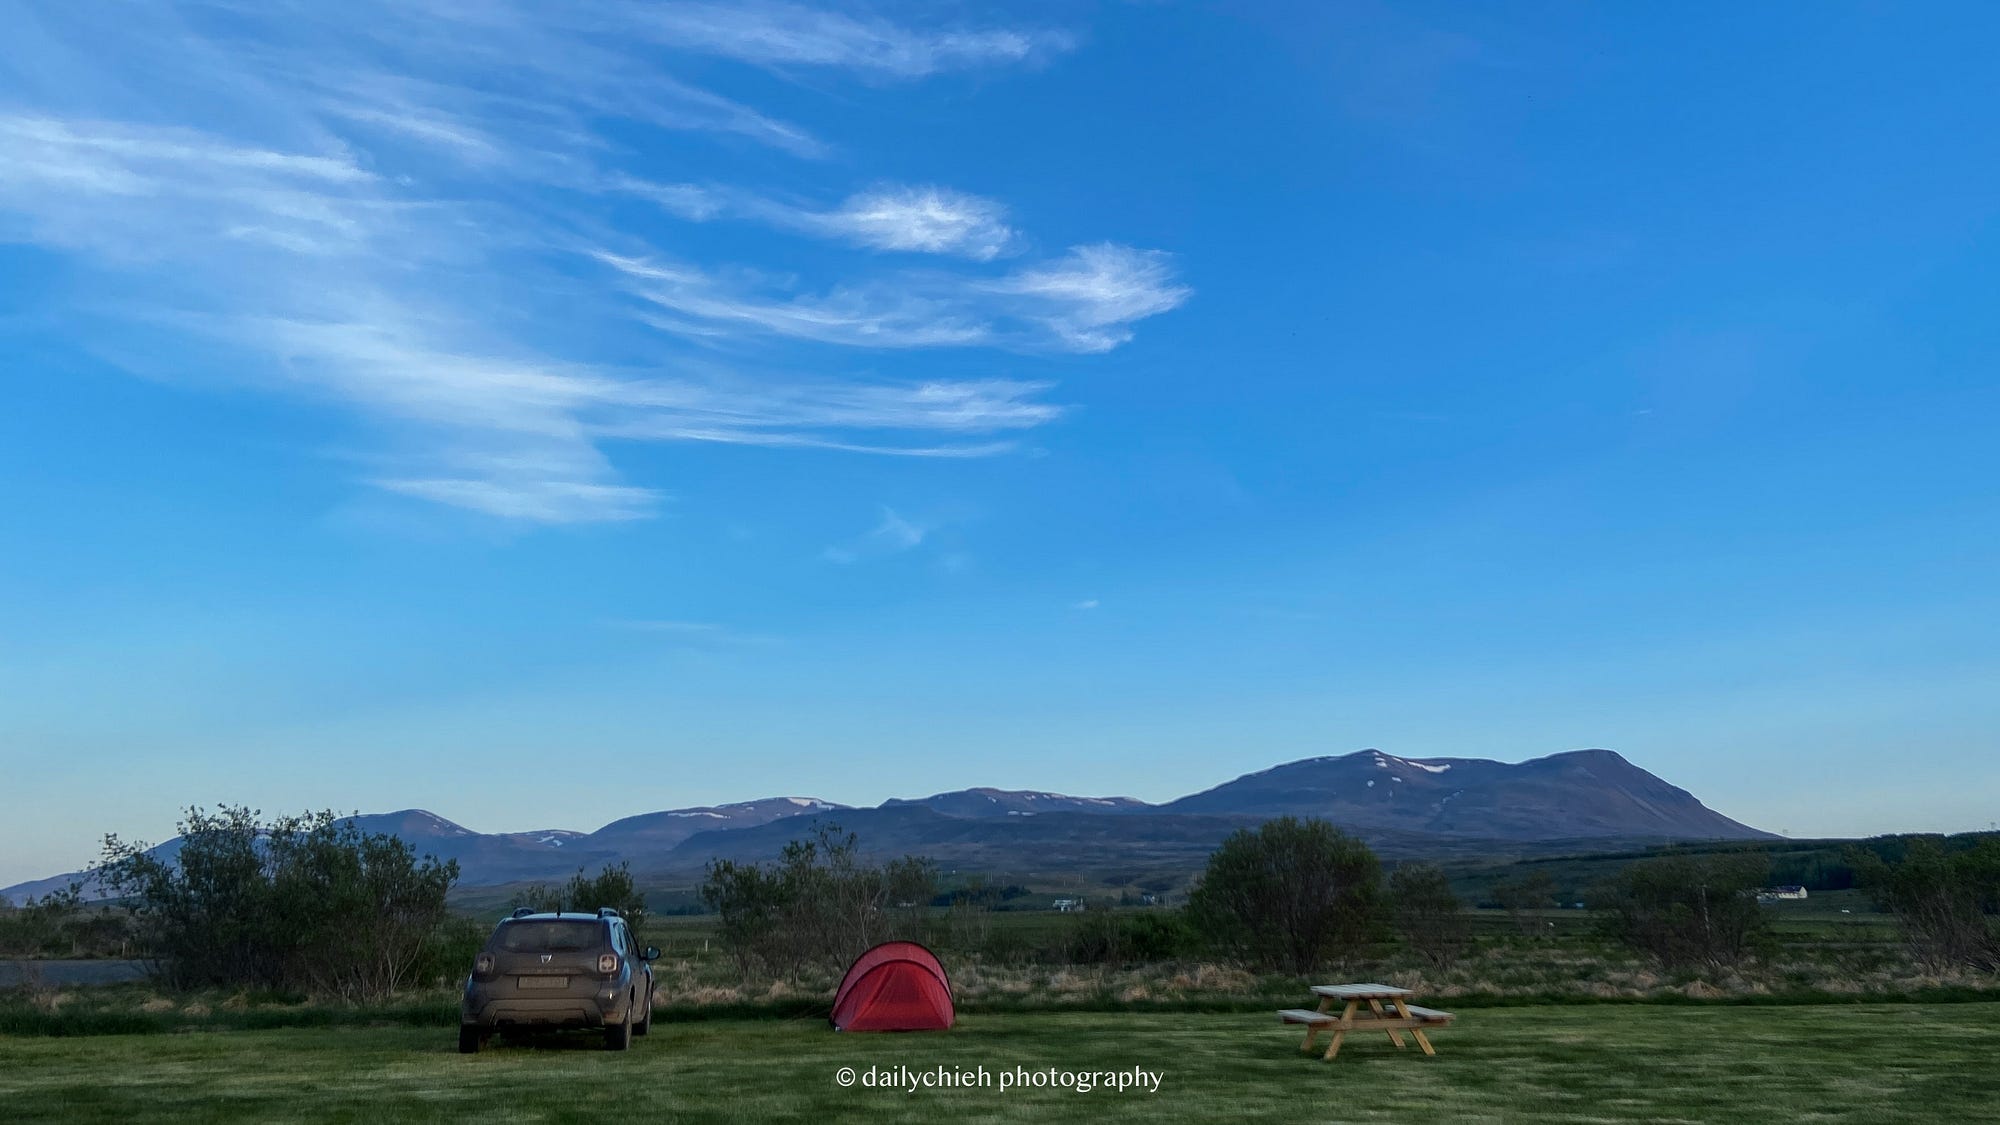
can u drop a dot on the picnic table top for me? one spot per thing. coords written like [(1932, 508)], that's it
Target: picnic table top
[(1361, 991)]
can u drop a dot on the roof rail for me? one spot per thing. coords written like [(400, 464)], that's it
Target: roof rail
[(522, 912), (608, 912)]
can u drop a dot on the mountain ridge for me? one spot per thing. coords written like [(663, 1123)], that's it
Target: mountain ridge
[(1395, 802)]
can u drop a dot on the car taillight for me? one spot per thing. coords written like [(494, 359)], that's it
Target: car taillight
[(482, 965), (607, 963)]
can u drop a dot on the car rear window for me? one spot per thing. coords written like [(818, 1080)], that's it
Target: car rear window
[(550, 937)]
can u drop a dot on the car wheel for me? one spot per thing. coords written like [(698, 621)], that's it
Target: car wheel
[(468, 1040), (618, 1036), (645, 1025)]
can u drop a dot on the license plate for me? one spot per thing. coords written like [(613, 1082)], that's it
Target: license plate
[(544, 982)]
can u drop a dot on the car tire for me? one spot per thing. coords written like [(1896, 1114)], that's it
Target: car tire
[(645, 1025), (618, 1036), (468, 1040)]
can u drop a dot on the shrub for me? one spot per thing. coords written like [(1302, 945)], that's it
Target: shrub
[(1288, 894), (448, 952), (59, 924), (1521, 897), (1428, 916), (1943, 900), (819, 905), (1690, 911), (611, 887), (1101, 937), (307, 902)]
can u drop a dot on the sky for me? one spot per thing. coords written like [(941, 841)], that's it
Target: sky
[(541, 414)]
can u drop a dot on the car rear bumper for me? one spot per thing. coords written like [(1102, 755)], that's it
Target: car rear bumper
[(593, 1010)]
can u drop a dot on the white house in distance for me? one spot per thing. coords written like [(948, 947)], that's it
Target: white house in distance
[(1773, 894), (1067, 905)]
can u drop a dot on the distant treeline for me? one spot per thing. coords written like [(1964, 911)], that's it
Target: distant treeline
[(1817, 865)]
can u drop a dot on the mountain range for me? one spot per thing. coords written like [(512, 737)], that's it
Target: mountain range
[(1401, 806)]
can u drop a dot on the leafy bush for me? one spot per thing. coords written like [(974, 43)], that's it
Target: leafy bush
[(1521, 897), (1690, 911), (306, 902), (1289, 894), (611, 887), (1101, 937), (60, 924), (820, 905), (1944, 900), (1428, 916), (448, 952)]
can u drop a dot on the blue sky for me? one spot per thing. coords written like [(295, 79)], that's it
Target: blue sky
[(408, 400)]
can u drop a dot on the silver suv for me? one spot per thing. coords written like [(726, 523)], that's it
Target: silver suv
[(559, 970)]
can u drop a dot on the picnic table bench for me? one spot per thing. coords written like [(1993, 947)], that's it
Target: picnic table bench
[(1406, 1017)]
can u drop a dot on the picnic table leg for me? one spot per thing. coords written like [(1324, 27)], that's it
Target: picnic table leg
[(1340, 1029), (1394, 1036), (1312, 1032), (1416, 1032)]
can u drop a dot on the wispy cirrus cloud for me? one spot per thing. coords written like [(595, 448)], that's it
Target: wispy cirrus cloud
[(892, 535), (925, 220), (380, 206), (775, 34), (519, 436), (1090, 298), (1085, 301)]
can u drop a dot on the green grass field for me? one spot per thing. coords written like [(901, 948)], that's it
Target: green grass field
[(1827, 1063)]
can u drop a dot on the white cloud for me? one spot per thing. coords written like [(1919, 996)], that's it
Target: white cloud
[(518, 437), (873, 315), (537, 501), (1086, 301), (377, 205), (1087, 603), (892, 536), (1090, 298), (929, 220), (793, 35), (926, 220), (53, 149), (133, 192), (687, 201)]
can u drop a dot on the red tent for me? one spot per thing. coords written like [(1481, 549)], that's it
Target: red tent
[(896, 986)]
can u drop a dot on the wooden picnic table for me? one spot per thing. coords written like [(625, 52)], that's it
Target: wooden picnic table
[(1406, 1017)]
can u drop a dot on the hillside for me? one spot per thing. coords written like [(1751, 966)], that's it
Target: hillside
[(1401, 806)]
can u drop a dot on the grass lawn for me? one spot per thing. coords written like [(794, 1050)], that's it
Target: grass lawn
[(1831, 1063)]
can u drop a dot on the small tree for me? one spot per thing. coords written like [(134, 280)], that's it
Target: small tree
[(47, 925), (612, 886), (1428, 916), (204, 914), (353, 911), (749, 902), (820, 904), (1289, 894), (307, 902), (1943, 900), (1689, 912), (1520, 897)]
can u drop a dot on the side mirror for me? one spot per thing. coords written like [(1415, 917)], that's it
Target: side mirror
[(652, 953)]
